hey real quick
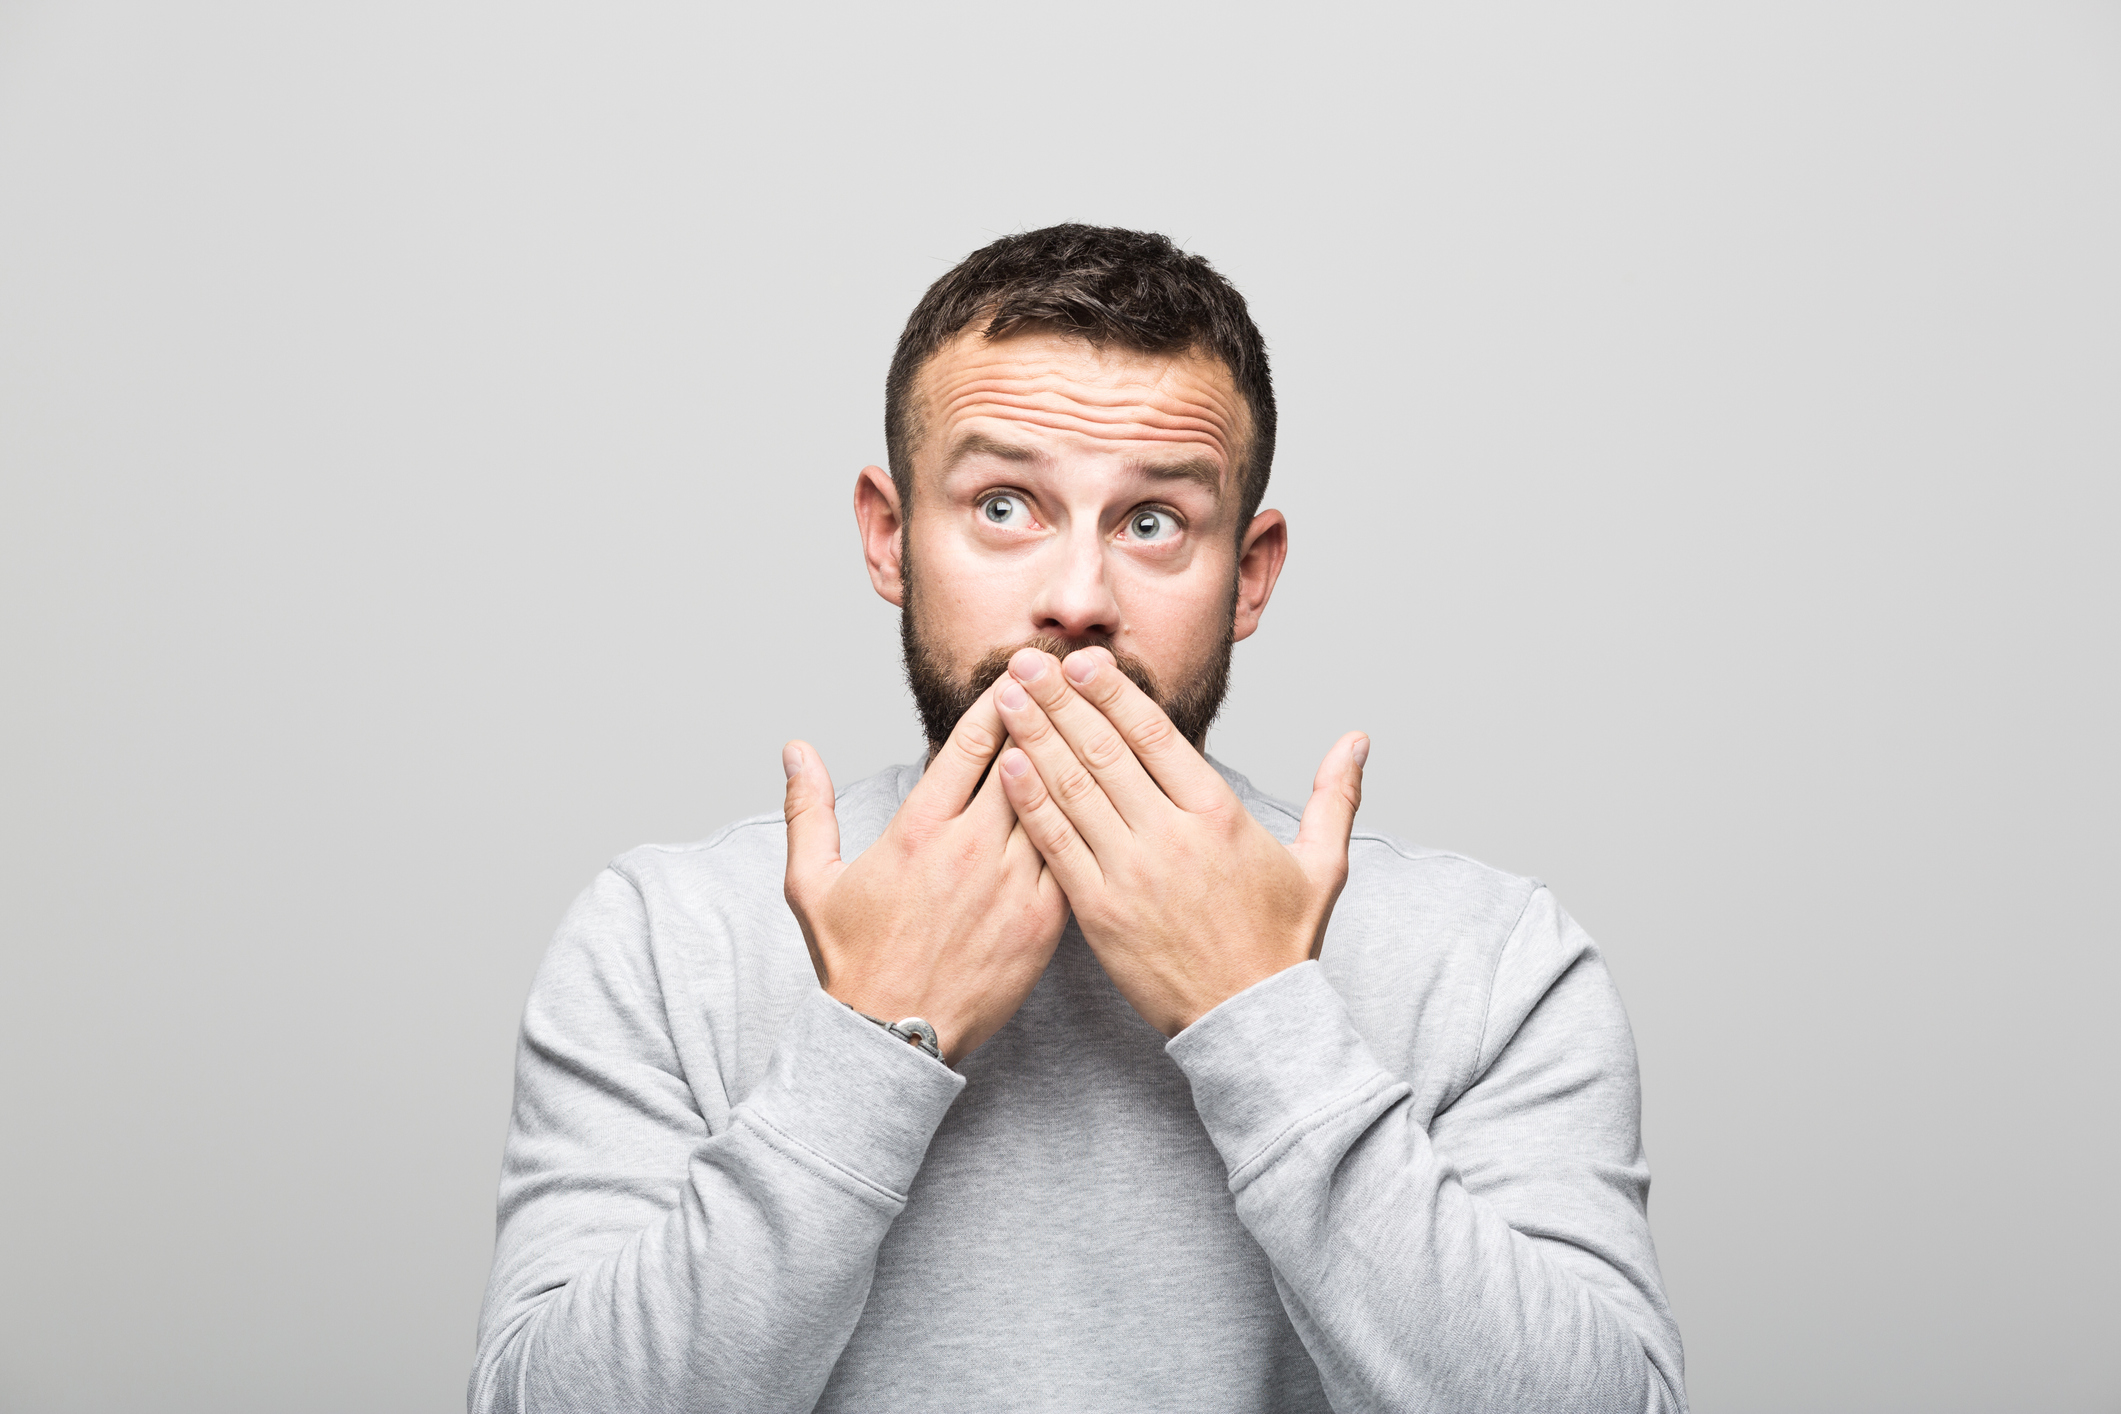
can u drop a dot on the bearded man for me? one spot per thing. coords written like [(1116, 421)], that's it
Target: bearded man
[(1065, 1070)]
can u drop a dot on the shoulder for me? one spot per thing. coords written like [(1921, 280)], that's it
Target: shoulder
[(691, 948), (1420, 944), (1476, 904), (747, 858), (733, 856)]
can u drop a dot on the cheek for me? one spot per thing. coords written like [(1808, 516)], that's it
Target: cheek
[(1178, 619), (968, 598)]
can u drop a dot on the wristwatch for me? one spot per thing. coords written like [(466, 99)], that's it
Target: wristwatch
[(913, 1031)]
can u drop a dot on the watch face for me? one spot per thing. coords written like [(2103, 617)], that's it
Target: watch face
[(919, 1033)]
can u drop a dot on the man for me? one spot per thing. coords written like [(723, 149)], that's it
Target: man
[(1068, 1071)]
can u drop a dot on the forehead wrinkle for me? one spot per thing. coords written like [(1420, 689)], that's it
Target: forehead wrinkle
[(1166, 378), (1105, 431), (1059, 384), (1117, 427), (1184, 399), (1176, 415)]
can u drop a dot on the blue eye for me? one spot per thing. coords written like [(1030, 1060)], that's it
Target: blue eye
[(1003, 510), (1152, 525)]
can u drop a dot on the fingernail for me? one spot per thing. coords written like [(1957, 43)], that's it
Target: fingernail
[(1014, 763), (1012, 696), (1029, 665), (1362, 750), (791, 760), (1080, 667)]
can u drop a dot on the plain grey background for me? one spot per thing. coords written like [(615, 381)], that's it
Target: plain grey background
[(428, 433)]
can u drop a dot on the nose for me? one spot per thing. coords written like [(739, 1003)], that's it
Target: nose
[(1075, 600)]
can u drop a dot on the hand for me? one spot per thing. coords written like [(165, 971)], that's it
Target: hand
[(1183, 896), (951, 915)]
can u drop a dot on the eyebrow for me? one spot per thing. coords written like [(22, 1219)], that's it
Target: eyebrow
[(1202, 471), (979, 444)]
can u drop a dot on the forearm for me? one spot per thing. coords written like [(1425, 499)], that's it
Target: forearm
[(743, 1295), (1412, 1293), (739, 1289), (1410, 1288)]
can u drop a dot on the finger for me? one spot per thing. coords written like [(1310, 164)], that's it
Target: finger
[(813, 825), (1182, 772), (1329, 815), (1050, 891), (1019, 853), (1048, 827), (947, 785), (1065, 778), (990, 808), (1090, 734)]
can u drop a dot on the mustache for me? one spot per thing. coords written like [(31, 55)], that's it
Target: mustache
[(989, 669)]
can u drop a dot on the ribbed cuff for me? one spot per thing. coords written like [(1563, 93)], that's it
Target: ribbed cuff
[(1275, 1055), (853, 1094)]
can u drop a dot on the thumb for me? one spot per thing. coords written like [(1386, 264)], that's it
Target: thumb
[(813, 828), (1329, 815)]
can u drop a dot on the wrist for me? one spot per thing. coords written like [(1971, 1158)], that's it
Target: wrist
[(888, 1007), (915, 1031), (1213, 992)]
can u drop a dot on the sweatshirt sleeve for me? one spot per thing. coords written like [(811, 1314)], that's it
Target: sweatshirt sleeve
[(646, 1258), (1498, 1258)]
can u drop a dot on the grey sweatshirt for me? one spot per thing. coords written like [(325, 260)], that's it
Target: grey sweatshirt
[(1407, 1176)]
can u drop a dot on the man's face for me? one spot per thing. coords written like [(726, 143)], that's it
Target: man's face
[(1070, 496)]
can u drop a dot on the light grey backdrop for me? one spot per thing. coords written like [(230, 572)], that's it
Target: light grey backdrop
[(428, 432)]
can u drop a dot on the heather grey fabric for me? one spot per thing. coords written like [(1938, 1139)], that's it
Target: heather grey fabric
[(1405, 1176)]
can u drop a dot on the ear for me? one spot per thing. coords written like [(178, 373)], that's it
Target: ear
[(882, 523), (1266, 545)]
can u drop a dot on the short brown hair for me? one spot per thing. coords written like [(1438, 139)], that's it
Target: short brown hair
[(1129, 289)]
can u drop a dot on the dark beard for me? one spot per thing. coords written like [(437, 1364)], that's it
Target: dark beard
[(943, 697)]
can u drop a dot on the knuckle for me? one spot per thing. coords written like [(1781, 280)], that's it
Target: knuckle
[(1104, 749), (968, 852), (913, 835), (1039, 813), (1154, 732), (976, 739), (1075, 785)]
